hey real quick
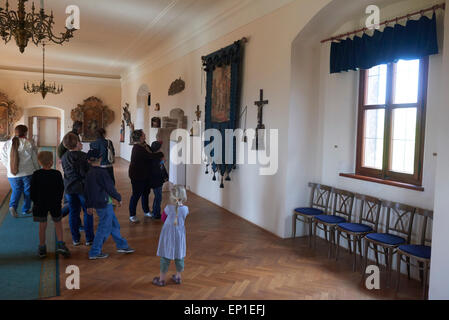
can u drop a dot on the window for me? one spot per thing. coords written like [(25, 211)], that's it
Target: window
[(391, 122)]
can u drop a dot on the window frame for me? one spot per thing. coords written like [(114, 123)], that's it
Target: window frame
[(385, 173)]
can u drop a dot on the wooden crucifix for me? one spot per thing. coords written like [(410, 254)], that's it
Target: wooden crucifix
[(259, 141), (260, 104)]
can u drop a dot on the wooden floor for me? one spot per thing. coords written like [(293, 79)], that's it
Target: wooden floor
[(227, 258)]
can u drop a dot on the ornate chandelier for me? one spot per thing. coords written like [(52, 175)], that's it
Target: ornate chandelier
[(42, 87), (34, 26)]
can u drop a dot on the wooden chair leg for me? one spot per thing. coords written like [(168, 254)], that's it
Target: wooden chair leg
[(349, 244), (426, 275), (408, 268), (354, 264), (398, 271), (365, 263), (421, 270), (337, 245), (359, 240), (376, 250), (329, 244), (310, 232), (294, 226), (314, 233), (325, 232), (390, 265)]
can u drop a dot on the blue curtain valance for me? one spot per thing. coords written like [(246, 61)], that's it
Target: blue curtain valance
[(417, 39)]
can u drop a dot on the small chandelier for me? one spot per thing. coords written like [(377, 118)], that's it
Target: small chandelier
[(42, 87), (34, 26)]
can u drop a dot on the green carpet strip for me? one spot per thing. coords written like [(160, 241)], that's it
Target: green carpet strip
[(23, 275)]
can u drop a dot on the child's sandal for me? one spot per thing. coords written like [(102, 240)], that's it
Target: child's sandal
[(176, 280), (158, 282)]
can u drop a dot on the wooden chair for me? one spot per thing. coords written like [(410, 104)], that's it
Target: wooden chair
[(319, 204), (368, 222), (398, 231), (341, 212), (421, 253)]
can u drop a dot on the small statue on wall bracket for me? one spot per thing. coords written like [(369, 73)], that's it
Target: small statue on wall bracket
[(127, 114), (176, 87), (122, 132), (157, 108)]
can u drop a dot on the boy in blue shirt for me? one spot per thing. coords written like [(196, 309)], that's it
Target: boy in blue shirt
[(100, 192)]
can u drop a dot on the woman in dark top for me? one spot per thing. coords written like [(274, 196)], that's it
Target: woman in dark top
[(139, 173), (103, 145)]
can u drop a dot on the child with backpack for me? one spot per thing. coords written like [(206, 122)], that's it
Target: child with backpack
[(107, 152)]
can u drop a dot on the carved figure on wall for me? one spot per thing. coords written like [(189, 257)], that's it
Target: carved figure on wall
[(127, 115), (94, 114), (122, 132), (157, 108), (9, 115), (176, 87)]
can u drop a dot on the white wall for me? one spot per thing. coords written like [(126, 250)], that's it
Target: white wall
[(439, 281), (323, 112), (76, 89), (267, 65)]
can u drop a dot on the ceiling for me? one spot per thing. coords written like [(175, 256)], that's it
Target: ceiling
[(114, 34)]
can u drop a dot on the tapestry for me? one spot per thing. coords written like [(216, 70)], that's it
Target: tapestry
[(223, 69)]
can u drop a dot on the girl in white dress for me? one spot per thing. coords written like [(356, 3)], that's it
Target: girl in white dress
[(172, 241)]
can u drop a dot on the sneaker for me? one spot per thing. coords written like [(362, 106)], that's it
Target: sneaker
[(157, 217), (134, 220), (42, 251), (76, 243), (89, 243), (13, 212), (100, 256), (62, 249), (148, 215), (127, 250)]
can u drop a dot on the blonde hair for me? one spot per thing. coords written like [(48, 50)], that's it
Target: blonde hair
[(178, 195), (45, 158)]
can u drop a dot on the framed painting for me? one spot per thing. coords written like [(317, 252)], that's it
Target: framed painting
[(94, 115), (4, 122), (223, 85), (9, 115)]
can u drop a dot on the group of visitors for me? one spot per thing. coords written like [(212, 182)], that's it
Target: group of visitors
[(147, 172), (89, 185)]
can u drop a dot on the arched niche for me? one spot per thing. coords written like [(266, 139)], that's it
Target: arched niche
[(142, 118)]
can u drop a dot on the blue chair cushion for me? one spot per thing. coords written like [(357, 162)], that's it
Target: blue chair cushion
[(417, 251), (386, 238), (355, 227), (330, 219), (309, 211)]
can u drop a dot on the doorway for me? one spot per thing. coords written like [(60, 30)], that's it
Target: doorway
[(45, 131)]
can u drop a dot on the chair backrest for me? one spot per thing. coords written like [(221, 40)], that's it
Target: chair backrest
[(370, 208), (343, 203), (425, 238), (399, 219), (320, 196)]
